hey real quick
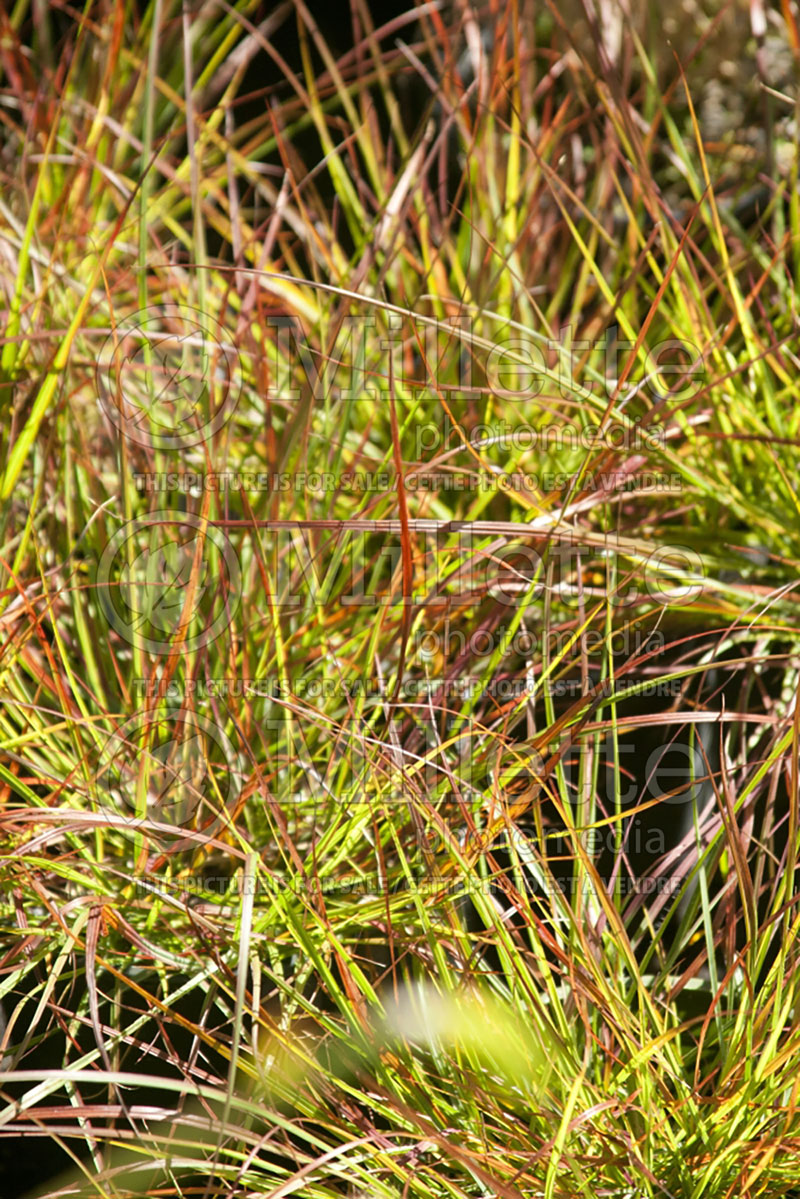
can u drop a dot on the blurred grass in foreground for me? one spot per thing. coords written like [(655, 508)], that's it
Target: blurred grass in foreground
[(301, 888)]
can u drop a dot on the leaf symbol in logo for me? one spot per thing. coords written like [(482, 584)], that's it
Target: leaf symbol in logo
[(180, 377), (155, 583), (177, 770)]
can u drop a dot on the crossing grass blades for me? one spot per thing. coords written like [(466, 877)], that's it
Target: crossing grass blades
[(453, 853)]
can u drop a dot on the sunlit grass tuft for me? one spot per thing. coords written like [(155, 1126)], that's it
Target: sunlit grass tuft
[(400, 453)]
